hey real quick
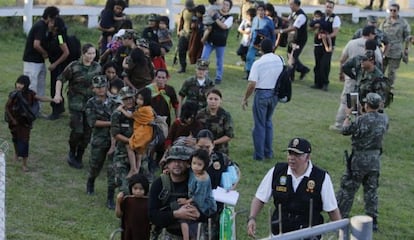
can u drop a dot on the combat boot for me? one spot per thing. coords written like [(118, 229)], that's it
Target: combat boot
[(72, 160), (110, 204), (90, 186), (79, 156), (374, 224)]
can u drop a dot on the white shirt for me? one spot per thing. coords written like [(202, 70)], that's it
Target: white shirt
[(264, 191), (266, 70), (299, 21)]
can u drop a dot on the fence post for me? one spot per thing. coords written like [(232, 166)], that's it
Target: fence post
[(361, 227), (27, 15)]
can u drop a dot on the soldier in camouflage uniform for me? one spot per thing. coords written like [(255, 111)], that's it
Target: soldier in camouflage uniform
[(217, 120), (121, 130), (367, 133), (195, 88), (398, 32), (79, 74), (98, 111), (369, 73)]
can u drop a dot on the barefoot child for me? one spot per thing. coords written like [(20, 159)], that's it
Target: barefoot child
[(20, 116), (142, 136), (199, 192), (133, 209)]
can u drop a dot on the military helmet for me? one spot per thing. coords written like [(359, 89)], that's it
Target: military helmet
[(99, 81), (126, 92)]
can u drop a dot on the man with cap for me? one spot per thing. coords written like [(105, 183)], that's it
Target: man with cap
[(121, 130), (164, 210), (363, 166), (262, 80), (296, 186), (380, 37), (353, 48), (98, 111), (129, 39), (195, 88), (368, 74)]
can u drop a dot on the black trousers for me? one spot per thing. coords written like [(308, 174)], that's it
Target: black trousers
[(182, 51), (322, 66), (297, 65)]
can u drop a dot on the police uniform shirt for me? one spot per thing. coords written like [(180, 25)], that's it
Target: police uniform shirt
[(336, 23), (264, 191), (299, 21), (266, 70)]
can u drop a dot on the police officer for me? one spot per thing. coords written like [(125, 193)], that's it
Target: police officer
[(367, 132), (121, 130), (98, 113), (79, 74), (195, 88), (293, 185)]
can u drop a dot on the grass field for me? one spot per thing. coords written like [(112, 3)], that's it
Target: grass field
[(50, 203)]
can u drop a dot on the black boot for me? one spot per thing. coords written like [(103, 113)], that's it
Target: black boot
[(182, 69), (79, 155), (110, 204), (72, 160), (90, 186), (374, 224)]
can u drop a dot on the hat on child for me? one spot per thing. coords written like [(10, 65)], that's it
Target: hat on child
[(202, 64), (99, 81), (299, 145), (373, 99), (182, 153), (126, 92)]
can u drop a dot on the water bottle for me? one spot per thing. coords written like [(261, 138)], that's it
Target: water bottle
[(226, 224)]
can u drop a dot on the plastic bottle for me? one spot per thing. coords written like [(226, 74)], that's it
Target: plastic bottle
[(226, 224)]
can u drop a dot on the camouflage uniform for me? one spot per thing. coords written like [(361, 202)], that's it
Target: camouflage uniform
[(220, 125), (120, 124), (366, 134), (398, 33), (79, 77), (365, 81), (98, 110), (193, 92)]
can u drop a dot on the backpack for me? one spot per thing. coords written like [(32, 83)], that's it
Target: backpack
[(23, 108), (283, 88), (160, 132), (74, 46)]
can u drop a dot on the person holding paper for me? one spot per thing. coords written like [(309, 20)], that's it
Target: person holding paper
[(296, 186)]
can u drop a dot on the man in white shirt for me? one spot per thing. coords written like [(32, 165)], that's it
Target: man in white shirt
[(293, 186)]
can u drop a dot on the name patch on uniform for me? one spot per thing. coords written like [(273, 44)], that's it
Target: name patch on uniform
[(281, 189), (311, 186)]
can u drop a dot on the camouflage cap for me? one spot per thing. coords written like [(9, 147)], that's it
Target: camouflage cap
[(373, 99), (142, 42), (369, 55), (372, 19), (202, 64), (126, 92), (131, 34), (153, 17), (99, 81), (182, 153)]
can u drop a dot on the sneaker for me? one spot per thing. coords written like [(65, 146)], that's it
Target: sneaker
[(335, 128)]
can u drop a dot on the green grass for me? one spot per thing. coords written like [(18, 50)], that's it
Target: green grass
[(50, 202)]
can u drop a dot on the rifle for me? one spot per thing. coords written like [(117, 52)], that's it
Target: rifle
[(348, 159)]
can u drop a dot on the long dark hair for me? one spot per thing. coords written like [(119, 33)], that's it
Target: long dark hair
[(146, 96), (25, 81)]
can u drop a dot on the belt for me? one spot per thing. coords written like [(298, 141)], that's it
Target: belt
[(263, 89)]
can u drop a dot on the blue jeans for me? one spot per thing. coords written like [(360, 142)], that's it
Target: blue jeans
[(250, 57), (207, 49), (264, 104)]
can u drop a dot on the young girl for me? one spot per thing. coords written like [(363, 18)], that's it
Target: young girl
[(199, 191), (20, 123), (164, 35), (133, 209), (142, 136), (245, 29)]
